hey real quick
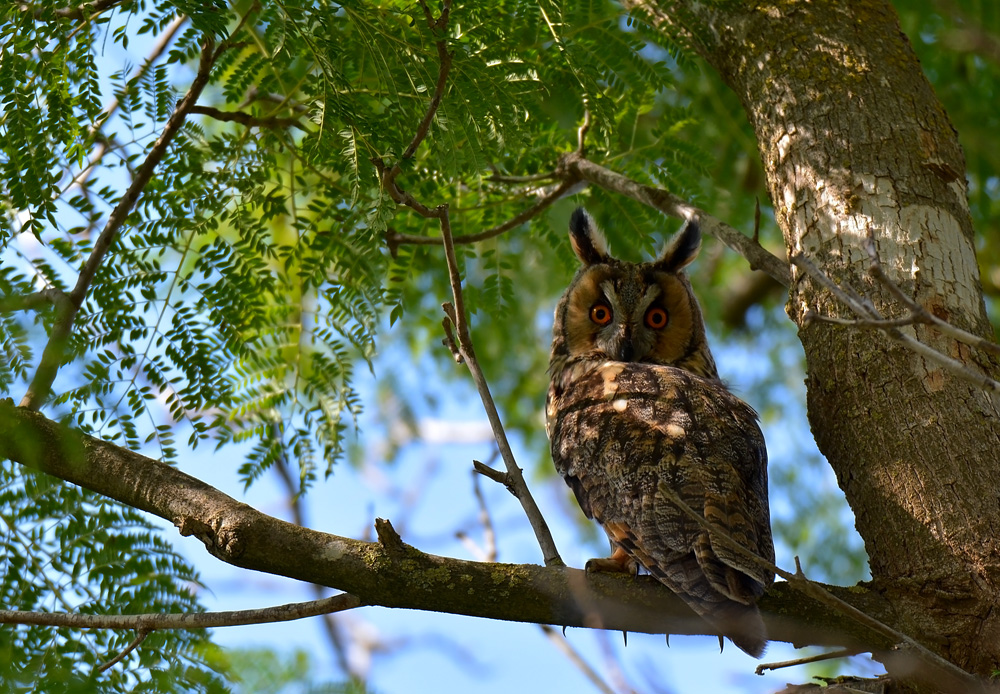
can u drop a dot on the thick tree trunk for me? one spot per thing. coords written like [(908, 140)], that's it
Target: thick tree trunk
[(855, 143)]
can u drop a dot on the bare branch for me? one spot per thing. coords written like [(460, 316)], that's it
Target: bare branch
[(581, 133), (394, 239), (35, 301), (191, 620), (464, 342), (139, 638), (461, 343), (82, 13), (247, 119), (533, 178), (918, 312), (489, 551), (444, 68), (489, 532), (575, 166), (819, 657), (872, 318), (939, 670), (298, 517), (578, 660), (105, 145)]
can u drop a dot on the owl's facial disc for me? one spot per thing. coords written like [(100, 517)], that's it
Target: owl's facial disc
[(626, 319)]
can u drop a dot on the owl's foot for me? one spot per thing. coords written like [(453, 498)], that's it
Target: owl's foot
[(618, 562)]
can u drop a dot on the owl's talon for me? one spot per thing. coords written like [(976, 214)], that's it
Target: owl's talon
[(617, 563)]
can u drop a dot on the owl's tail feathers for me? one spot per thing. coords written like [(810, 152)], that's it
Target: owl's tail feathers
[(739, 618), (741, 623)]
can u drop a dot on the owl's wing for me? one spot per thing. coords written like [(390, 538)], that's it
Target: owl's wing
[(621, 430)]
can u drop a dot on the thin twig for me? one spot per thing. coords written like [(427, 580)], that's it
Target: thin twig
[(879, 324), (457, 315), (819, 657), (192, 620), (139, 638), (298, 517), (919, 313), (864, 308), (959, 678), (388, 175), (76, 12), (581, 133), (756, 221), (489, 532), (247, 119), (495, 475), (462, 341), (444, 58), (489, 551), (564, 646), (580, 168), (533, 178), (394, 240), (41, 299), (105, 145)]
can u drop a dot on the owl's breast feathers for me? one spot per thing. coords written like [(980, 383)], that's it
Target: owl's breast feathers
[(618, 430)]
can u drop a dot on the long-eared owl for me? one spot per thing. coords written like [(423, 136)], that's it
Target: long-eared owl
[(635, 402)]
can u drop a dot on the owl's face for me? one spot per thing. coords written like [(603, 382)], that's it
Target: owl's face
[(631, 312)]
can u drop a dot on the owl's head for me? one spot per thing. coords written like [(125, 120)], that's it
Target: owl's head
[(639, 312)]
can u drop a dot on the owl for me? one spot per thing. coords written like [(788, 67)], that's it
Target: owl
[(634, 403)]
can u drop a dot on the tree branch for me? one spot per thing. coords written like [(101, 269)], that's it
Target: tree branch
[(818, 658), (870, 317), (464, 344), (247, 119), (394, 240), (95, 8), (135, 643), (55, 350), (34, 301), (918, 313), (105, 146), (577, 166), (435, 25), (192, 620), (399, 575), (388, 175), (462, 347)]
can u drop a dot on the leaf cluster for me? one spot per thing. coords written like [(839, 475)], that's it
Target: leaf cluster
[(68, 550)]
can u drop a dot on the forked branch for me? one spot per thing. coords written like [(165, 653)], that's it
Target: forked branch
[(515, 480), (461, 342), (869, 317)]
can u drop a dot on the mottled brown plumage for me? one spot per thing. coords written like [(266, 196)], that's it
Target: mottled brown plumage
[(635, 401)]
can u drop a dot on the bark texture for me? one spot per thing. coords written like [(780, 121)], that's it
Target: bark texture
[(854, 143)]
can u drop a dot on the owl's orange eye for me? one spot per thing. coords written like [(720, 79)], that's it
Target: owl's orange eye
[(656, 318), (600, 314)]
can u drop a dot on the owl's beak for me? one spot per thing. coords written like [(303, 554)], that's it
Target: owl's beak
[(624, 349)]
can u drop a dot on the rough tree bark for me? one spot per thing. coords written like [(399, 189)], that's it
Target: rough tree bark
[(854, 142)]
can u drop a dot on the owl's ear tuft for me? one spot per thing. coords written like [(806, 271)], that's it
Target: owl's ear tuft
[(588, 242), (682, 249)]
